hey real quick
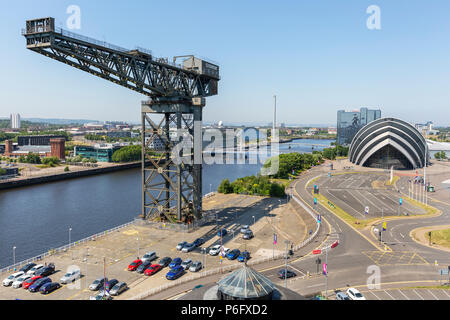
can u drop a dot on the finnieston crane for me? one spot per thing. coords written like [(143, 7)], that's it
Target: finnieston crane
[(171, 185)]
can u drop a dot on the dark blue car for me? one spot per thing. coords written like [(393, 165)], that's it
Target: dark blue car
[(38, 284), (175, 273), (175, 263), (245, 255), (199, 241), (224, 233), (49, 287), (233, 254)]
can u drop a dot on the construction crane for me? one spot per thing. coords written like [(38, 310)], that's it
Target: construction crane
[(171, 180)]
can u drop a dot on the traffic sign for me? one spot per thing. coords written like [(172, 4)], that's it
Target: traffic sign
[(324, 269), (443, 272), (318, 251), (366, 210), (274, 238)]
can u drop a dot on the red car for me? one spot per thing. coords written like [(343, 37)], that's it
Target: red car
[(154, 268), (27, 283), (134, 265)]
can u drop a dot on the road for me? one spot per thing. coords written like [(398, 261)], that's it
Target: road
[(405, 263)]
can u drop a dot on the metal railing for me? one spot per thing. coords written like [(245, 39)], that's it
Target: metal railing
[(64, 248)]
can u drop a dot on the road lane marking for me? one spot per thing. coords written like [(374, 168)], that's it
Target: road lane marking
[(298, 270), (374, 295), (315, 285), (389, 294), (436, 298), (418, 294), (403, 294), (445, 291)]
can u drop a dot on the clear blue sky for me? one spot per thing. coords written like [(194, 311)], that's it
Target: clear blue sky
[(316, 55)]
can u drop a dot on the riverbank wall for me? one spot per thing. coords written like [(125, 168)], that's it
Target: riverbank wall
[(66, 175)]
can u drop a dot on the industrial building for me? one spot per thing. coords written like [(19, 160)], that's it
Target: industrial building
[(387, 143), (56, 148), (37, 140), (349, 123)]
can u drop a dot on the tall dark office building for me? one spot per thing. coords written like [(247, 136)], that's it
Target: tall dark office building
[(349, 123)]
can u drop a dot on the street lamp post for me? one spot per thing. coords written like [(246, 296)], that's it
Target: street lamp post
[(254, 221), (137, 247), (14, 256), (70, 229), (285, 270)]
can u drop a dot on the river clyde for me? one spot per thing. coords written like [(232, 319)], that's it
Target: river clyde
[(37, 218)]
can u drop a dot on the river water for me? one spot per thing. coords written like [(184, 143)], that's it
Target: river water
[(37, 218)]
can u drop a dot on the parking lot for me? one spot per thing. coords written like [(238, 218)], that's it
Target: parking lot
[(112, 253), (354, 192), (407, 294)]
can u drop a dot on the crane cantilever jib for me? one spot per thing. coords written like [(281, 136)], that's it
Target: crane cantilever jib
[(176, 91), (129, 68)]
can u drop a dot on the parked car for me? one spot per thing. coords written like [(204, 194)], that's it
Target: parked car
[(245, 228), (70, 276), (233, 254), (245, 255), (19, 281), (101, 296), (342, 296), (38, 284), (46, 271), (149, 256), (154, 268), (196, 266), (164, 262), (181, 245), (215, 250), (283, 273), (134, 265), (248, 235), (118, 288), (354, 294), (110, 284), (97, 284), (33, 270), (186, 264), (175, 262), (49, 287), (9, 281), (175, 273), (188, 247), (27, 283), (222, 232), (199, 242), (144, 265), (27, 267)]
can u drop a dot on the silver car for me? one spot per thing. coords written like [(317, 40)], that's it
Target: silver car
[(188, 247), (181, 245), (70, 276), (196, 266), (244, 228), (186, 264), (118, 289), (97, 284)]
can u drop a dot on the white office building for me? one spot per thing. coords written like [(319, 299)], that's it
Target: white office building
[(15, 121)]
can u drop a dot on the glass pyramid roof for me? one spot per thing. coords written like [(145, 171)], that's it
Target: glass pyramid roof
[(246, 283)]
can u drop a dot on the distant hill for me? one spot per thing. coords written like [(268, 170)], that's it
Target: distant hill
[(59, 121)]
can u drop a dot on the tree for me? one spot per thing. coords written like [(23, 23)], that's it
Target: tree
[(66, 169), (225, 187), (33, 158), (127, 154)]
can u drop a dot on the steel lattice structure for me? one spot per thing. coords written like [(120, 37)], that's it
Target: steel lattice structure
[(171, 189)]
